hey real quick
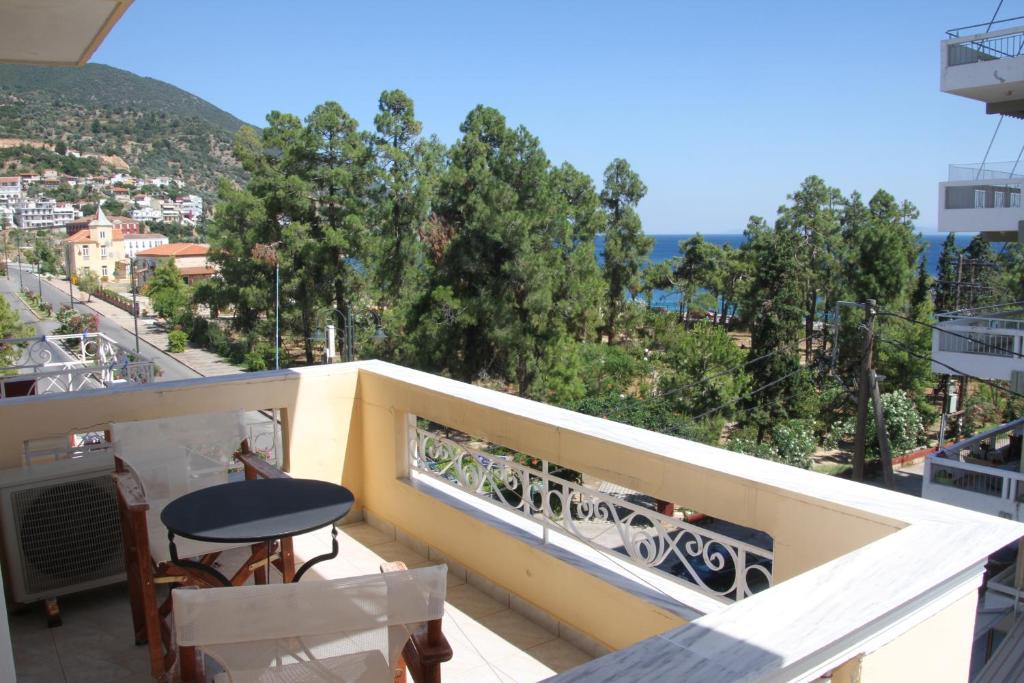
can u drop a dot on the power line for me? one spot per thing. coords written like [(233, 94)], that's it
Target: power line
[(733, 369), (955, 371), (943, 330), (748, 395)]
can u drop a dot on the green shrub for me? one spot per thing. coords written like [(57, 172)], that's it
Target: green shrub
[(903, 424), (254, 361), (791, 443), (176, 341)]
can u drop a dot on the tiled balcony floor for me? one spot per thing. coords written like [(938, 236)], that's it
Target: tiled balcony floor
[(491, 642)]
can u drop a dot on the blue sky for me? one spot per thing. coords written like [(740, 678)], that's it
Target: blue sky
[(722, 107)]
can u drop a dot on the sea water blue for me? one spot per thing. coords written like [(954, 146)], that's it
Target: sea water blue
[(667, 246)]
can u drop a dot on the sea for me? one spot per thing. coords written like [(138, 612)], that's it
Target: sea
[(667, 246)]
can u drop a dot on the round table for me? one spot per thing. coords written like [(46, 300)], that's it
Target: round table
[(256, 511)]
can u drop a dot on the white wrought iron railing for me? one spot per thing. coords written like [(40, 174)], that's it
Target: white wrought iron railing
[(71, 362), (723, 567), (58, 380)]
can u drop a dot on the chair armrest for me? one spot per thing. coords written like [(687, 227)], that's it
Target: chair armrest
[(428, 646), (130, 491), (256, 467)]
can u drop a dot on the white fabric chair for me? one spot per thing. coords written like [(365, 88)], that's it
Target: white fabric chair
[(351, 629), (156, 462), (175, 456)]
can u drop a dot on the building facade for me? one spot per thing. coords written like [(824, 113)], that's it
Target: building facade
[(99, 249)]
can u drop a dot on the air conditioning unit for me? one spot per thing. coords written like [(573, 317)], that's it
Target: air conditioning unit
[(61, 527)]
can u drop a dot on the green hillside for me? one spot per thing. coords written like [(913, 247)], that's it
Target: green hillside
[(157, 128)]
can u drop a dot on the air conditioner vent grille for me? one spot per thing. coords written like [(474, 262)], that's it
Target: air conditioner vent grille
[(69, 533)]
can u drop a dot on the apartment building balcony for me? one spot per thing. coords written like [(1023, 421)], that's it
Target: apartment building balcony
[(981, 473), (983, 198), (986, 344), (70, 362), (792, 576), (985, 62)]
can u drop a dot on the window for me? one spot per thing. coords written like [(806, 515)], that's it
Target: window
[(979, 199), (997, 199), (102, 234), (85, 250), (104, 271), (103, 252), (1015, 200)]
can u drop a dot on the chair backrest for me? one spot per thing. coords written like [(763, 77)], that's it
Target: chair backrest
[(174, 456), (343, 629)]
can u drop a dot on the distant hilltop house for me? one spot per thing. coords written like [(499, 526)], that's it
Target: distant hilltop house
[(10, 189), (190, 259), (98, 248)]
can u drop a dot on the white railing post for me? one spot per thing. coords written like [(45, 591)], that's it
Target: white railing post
[(545, 507)]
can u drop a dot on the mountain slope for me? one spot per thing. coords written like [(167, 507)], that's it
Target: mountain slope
[(157, 128)]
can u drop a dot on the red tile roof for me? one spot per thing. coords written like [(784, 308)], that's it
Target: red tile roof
[(177, 249), (86, 236)]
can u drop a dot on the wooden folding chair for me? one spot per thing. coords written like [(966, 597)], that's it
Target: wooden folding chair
[(148, 563)]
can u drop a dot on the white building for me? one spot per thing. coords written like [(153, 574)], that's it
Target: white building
[(146, 213), (986, 65), (190, 206), (43, 213), (133, 244), (10, 189)]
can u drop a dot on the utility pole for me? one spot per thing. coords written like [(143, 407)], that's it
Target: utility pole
[(866, 367), (883, 435)]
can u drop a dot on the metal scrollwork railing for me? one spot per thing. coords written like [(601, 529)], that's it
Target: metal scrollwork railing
[(721, 566)]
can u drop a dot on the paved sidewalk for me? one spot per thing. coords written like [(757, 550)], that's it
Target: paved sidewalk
[(204, 362)]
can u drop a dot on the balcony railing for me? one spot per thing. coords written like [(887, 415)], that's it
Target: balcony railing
[(853, 568), (995, 170), (979, 43), (60, 363), (719, 565)]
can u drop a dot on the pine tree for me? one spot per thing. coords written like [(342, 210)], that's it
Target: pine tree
[(625, 246)]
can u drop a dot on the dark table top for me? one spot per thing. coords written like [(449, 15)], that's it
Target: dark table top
[(256, 510)]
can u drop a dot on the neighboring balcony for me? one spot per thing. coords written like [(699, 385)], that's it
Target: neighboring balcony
[(57, 363), (986, 65), (987, 345), (983, 198), (981, 473)]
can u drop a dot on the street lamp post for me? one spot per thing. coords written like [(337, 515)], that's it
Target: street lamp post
[(347, 323), (268, 254), (135, 303), (21, 277)]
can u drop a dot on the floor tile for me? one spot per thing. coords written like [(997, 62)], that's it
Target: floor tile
[(513, 629), (558, 655), (472, 603)]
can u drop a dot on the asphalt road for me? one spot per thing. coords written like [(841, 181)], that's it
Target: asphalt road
[(57, 297)]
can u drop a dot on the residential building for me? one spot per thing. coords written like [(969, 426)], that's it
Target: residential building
[(135, 243), (170, 212), (190, 259), (984, 62), (190, 206), (43, 213), (127, 226), (99, 248), (987, 343), (146, 213), (10, 189)]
